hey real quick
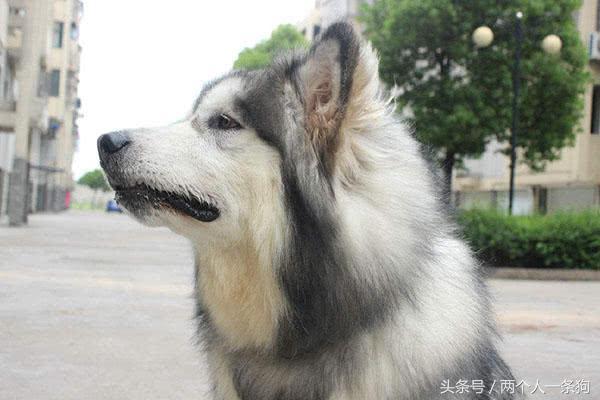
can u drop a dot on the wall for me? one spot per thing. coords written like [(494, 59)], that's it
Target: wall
[(572, 198), (3, 22)]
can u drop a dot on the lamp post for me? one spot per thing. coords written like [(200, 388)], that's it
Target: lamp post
[(515, 108), (483, 37)]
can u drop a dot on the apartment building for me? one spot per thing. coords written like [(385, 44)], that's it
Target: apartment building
[(327, 12), (572, 182), (7, 106), (38, 104)]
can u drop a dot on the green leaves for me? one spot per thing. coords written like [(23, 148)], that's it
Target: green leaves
[(562, 240), (284, 38), (95, 180), (461, 96)]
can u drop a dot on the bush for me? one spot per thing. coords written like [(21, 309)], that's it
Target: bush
[(562, 240)]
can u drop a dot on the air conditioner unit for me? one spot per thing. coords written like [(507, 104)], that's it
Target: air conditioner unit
[(594, 46)]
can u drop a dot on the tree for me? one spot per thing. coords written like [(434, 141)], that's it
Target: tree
[(284, 38), (95, 180), (459, 97)]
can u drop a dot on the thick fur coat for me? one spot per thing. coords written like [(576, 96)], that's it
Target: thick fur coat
[(326, 268)]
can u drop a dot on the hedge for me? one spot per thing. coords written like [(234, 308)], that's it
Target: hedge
[(561, 240)]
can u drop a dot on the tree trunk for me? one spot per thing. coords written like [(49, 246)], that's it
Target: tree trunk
[(448, 166)]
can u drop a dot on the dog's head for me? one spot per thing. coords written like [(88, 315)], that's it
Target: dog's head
[(253, 140)]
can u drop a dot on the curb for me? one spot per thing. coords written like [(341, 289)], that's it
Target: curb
[(546, 274)]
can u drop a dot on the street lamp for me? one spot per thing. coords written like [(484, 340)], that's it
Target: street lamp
[(483, 37), (552, 44)]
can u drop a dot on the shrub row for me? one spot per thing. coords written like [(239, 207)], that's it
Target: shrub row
[(562, 240)]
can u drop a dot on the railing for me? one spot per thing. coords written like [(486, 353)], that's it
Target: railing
[(15, 38), (7, 115), (16, 14), (8, 105), (74, 56)]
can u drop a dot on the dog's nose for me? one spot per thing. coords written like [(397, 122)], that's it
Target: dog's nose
[(110, 143)]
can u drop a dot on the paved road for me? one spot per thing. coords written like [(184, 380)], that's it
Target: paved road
[(95, 306)]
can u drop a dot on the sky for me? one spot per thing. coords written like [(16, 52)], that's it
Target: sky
[(143, 62)]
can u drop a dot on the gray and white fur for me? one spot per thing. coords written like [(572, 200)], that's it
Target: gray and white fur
[(326, 268)]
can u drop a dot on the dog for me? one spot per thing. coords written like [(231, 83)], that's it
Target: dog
[(326, 266)]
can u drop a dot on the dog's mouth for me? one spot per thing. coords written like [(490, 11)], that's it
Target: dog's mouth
[(138, 197)]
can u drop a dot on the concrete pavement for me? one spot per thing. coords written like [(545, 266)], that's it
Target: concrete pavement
[(551, 332), (95, 306)]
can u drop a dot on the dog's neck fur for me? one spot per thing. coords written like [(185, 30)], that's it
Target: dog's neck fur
[(237, 288)]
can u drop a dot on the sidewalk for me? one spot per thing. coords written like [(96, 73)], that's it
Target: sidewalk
[(544, 274), (96, 306)]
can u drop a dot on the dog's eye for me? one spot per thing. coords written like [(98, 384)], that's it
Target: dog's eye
[(225, 122)]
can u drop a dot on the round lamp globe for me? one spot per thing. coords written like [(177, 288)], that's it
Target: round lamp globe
[(483, 36), (552, 44)]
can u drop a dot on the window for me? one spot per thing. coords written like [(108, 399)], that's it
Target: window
[(74, 31), (57, 34), (316, 30), (595, 128), (540, 195), (54, 83)]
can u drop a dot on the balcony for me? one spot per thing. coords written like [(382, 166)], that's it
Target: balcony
[(39, 113), (17, 13), (8, 105), (14, 42), (74, 56), (7, 115)]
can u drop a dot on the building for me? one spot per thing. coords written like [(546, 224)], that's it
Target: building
[(327, 12), (573, 181), (38, 104), (7, 107)]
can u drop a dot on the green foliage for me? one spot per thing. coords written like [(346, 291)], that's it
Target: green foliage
[(562, 240), (284, 38), (87, 206), (459, 96), (95, 180)]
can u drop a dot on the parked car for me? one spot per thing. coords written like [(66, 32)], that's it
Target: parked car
[(113, 206)]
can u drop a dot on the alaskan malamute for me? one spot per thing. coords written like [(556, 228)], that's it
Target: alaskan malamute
[(325, 266)]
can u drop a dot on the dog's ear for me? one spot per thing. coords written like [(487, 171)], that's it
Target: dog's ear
[(325, 80)]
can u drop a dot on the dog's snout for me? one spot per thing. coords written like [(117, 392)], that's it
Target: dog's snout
[(110, 143)]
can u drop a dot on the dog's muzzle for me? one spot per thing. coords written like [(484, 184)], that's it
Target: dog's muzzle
[(139, 197)]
